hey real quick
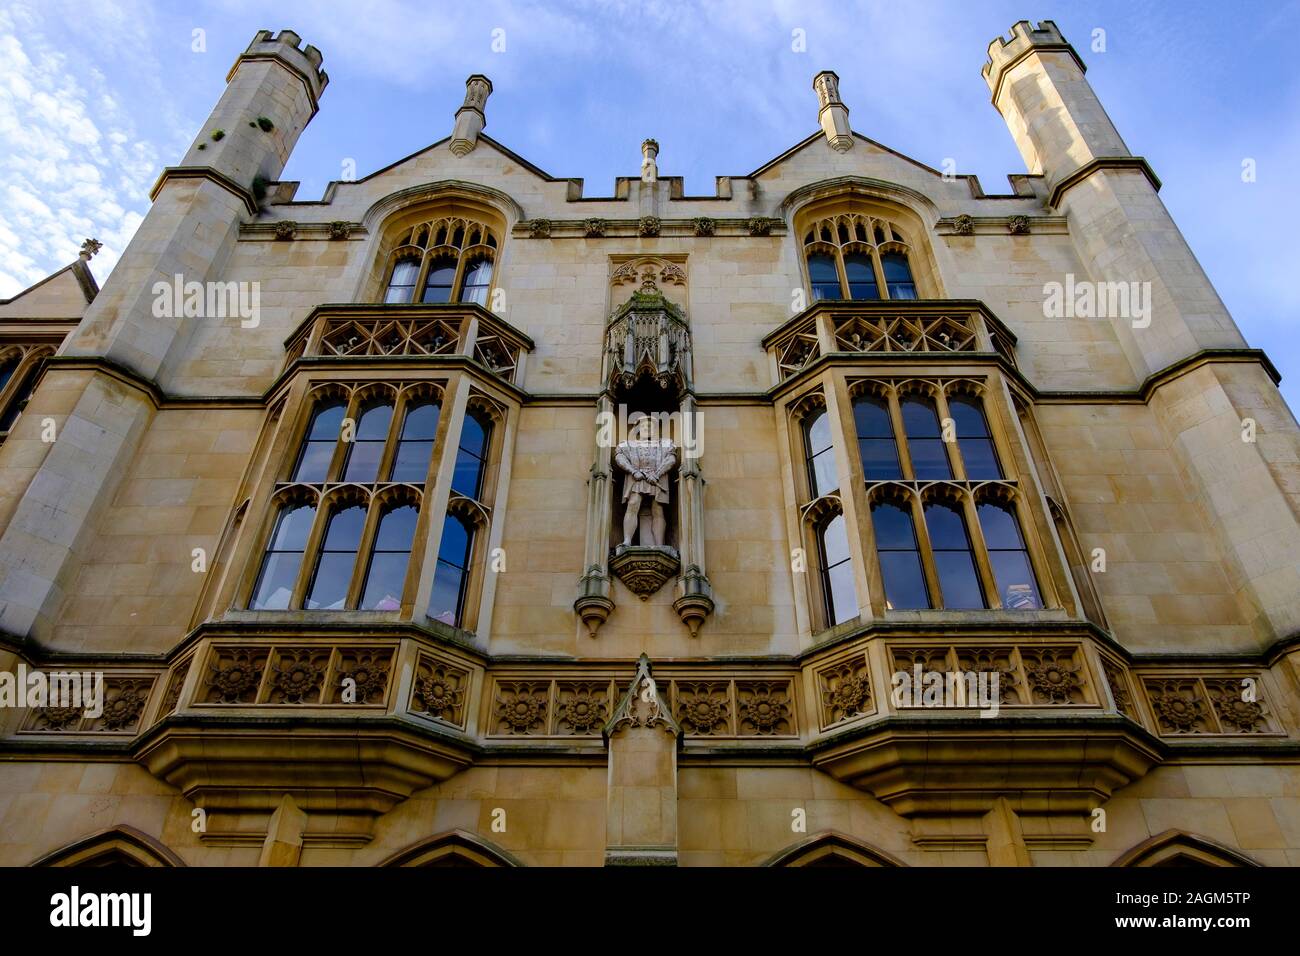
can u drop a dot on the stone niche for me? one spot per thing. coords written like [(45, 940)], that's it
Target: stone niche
[(645, 513)]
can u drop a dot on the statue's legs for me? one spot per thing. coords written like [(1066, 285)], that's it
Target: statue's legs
[(660, 522), (630, 517)]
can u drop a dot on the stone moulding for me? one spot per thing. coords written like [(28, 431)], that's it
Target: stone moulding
[(644, 569), (698, 226)]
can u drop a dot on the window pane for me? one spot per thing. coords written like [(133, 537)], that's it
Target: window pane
[(823, 278), (473, 435), (437, 287), (1015, 580), (344, 532), (876, 442), (974, 440), (374, 422), (276, 580), (842, 594), (454, 546), (363, 461), (445, 599), (327, 422), (861, 276), (396, 529), (412, 461), (999, 527), (421, 422), (387, 574), (467, 475), (329, 587), (904, 583), (835, 543), (819, 433), (292, 529), (952, 557), (401, 284), (822, 473), (893, 527), (477, 279), (318, 449), (898, 276), (7, 371), (921, 423)]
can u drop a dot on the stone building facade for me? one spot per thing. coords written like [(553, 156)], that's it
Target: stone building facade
[(458, 517)]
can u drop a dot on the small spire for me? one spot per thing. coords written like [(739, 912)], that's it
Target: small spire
[(470, 118), (649, 168), (832, 114)]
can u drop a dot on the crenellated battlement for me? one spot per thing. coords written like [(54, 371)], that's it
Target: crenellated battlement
[(1004, 52), (286, 47)]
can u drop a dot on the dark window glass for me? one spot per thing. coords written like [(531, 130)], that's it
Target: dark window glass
[(314, 459), (898, 276), (837, 572), (401, 284), (388, 560), (338, 555), (367, 445), (477, 279), (437, 287), (415, 447), (821, 455), (446, 603), (7, 369), (823, 278), (861, 276), (283, 558), (900, 559), (18, 401), (924, 440), (958, 579), (1011, 567), (876, 443), (471, 456), (974, 440)]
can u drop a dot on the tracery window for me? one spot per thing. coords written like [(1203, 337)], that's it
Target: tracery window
[(346, 513), (946, 521), (450, 259), (856, 256), (20, 367)]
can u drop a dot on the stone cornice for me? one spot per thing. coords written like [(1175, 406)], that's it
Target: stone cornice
[(1070, 180), (210, 174)]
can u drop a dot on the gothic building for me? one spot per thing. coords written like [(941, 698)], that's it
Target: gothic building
[(849, 515)]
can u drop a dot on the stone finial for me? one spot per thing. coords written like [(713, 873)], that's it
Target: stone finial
[(649, 168), (832, 114), (89, 248), (471, 118)]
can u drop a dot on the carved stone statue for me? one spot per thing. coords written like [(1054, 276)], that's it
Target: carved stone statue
[(647, 463)]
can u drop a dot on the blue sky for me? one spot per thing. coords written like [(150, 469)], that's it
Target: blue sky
[(96, 97)]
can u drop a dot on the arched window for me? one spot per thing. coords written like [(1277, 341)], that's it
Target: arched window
[(855, 256), (478, 279), (876, 443), (367, 445), (447, 602), (401, 284), (450, 259), (861, 277), (388, 560), (900, 557), (318, 449), (284, 552), (471, 456), (974, 440), (415, 446), (18, 399), (837, 571), (7, 368), (925, 439), (1012, 569), (440, 282), (950, 544), (898, 276), (338, 556), (825, 281), (820, 454)]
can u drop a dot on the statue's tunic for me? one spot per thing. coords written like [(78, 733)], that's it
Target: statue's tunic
[(654, 459)]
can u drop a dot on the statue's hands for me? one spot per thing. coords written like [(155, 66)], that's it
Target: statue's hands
[(639, 475)]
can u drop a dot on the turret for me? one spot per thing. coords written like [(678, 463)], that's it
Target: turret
[(470, 118), (832, 114)]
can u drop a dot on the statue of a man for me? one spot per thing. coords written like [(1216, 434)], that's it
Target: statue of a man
[(647, 462)]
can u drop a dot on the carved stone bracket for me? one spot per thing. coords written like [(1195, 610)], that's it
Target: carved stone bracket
[(644, 569)]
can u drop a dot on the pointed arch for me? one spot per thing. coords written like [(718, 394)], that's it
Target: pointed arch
[(116, 846), (452, 848), (832, 848), (1180, 848)]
